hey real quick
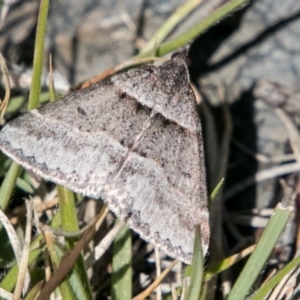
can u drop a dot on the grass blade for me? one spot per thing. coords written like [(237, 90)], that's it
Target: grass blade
[(261, 253), (167, 27), (263, 292), (190, 34), (35, 88), (195, 287), (8, 184), (66, 199), (122, 272)]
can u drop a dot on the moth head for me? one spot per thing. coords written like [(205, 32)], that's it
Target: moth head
[(181, 58)]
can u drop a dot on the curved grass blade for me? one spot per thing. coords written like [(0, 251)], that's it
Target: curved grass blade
[(190, 34), (167, 27)]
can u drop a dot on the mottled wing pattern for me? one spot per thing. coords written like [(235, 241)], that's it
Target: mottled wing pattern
[(134, 140)]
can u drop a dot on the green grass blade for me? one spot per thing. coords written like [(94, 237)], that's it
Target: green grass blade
[(38, 55), (122, 272), (227, 263), (24, 185), (263, 292), (216, 190), (261, 253), (190, 34), (18, 102), (195, 287), (68, 215), (8, 185), (169, 25)]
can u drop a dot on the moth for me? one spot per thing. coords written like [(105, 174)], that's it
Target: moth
[(135, 141)]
